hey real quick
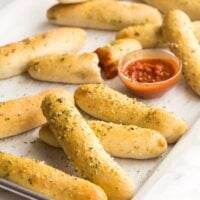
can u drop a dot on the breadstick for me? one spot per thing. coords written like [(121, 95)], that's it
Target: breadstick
[(47, 180), (179, 35), (23, 114), (82, 146), (118, 108), (110, 55), (104, 14), (196, 29), (191, 7), (124, 141), (149, 35), (15, 56), (67, 68)]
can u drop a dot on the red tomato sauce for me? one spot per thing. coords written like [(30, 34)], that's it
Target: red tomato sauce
[(149, 70)]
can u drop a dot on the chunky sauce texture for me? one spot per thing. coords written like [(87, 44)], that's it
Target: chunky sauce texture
[(149, 70)]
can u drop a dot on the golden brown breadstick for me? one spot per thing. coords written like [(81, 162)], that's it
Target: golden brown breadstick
[(104, 14), (83, 148), (14, 57), (150, 35), (180, 37), (196, 29), (191, 7), (23, 114), (46, 180), (118, 108), (110, 54), (125, 141), (67, 68)]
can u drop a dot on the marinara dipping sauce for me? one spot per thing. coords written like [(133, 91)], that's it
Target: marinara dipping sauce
[(150, 73), (149, 70)]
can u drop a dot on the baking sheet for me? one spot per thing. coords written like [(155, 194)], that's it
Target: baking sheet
[(22, 18), (178, 176)]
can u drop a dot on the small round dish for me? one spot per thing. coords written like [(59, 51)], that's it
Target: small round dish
[(150, 89)]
